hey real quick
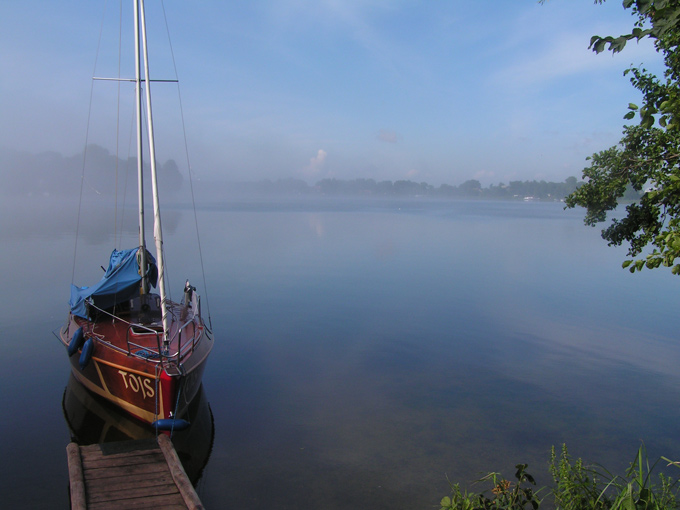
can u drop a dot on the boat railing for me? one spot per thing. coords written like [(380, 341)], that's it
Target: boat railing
[(185, 347), (185, 342), (144, 352), (158, 352)]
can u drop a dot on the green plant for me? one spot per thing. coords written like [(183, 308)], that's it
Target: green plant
[(459, 500), (575, 487), (637, 492), (504, 494)]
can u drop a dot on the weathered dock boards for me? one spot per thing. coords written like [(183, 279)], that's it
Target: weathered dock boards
[(129, 474)]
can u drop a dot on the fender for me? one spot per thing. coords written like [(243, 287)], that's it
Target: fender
[(85, 356), (167, 424), (76, 342)]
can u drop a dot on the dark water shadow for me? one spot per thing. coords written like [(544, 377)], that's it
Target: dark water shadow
[(93, 420)]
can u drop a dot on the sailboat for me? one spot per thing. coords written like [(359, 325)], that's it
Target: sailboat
[(133, 346)]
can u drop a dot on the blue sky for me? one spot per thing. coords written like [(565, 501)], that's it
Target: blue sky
[(434, 91)]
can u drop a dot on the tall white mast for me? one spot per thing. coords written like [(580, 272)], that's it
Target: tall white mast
[(157, 230), (140, 160)]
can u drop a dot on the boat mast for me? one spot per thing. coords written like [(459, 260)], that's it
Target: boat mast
[(140, 178), (157, 230)]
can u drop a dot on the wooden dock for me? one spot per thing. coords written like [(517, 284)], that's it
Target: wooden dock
[(129, 474)]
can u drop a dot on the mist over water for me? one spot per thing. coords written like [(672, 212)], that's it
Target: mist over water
[(366, 349)]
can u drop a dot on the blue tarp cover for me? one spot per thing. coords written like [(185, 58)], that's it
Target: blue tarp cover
[(120, 283)]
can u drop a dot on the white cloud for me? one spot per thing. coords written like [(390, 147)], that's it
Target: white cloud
[(315, 164)]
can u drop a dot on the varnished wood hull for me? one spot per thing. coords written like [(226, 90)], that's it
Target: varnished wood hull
[(149, 388), (93, 420)]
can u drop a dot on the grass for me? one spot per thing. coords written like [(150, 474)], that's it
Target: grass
[(575, 487)]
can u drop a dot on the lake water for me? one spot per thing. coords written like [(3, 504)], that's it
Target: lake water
[(366, 350)]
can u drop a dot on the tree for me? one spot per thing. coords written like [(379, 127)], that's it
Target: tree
[(647, 157), (471, 188)]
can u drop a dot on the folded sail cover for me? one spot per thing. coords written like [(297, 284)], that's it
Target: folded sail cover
[(120, 283)]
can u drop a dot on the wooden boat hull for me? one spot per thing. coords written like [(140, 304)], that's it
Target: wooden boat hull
[(147, 388), (93, 420)]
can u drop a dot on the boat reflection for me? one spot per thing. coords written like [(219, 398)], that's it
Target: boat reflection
[(93, 420)]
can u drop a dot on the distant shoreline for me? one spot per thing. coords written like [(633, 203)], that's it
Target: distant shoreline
[(369, 188)]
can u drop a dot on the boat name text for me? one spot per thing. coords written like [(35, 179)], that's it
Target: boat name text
[(138, 384)]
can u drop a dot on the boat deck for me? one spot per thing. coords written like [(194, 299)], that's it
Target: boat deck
[(138, 331), (129, 474)]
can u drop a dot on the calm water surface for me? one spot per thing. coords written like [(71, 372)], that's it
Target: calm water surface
[(366, 350)]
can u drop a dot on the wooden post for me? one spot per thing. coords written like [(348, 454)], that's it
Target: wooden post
[(75, 475), (178, 474)]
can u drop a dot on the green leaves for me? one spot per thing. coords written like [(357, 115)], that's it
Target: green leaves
[(575, 487), (656, 19), (503, 495), (647, 161), (631, 114), (665, 253), (616, 44), (461, 501)]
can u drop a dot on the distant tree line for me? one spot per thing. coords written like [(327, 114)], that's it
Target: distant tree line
[(26, 174), (540, 190), (514, 190), (50, 173)]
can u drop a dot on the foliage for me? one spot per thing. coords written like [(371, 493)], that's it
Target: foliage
[(656, 18), (575, 487), (504, 494), (647, 157)]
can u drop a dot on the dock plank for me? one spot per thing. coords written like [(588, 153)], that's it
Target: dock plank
[(122, 460), (129, 474), (114, 494), (126, 482), (146, 503), (139, 470)]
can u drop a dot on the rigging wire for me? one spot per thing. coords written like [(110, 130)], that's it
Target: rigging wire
[(119, 230), (186, 152), (87, 136)]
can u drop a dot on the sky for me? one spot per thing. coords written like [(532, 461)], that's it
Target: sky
[(430, 91)]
